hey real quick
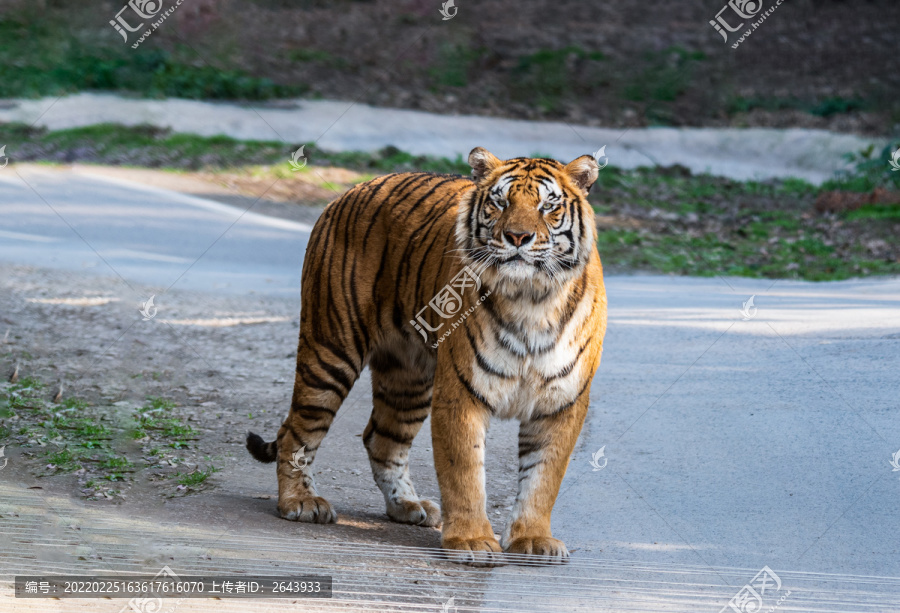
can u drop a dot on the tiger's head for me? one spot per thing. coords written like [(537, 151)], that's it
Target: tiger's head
[(528, 221)]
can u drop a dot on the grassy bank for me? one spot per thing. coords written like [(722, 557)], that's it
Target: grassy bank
[(663, 220)]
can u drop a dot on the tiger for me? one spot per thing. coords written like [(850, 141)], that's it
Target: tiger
[(469, 298)]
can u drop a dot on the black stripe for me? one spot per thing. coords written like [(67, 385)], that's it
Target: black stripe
[(564, 407), (362, 345), (415, 239), (376, 214), (336, 373), (513, 329), (397, 438), (413, 420), (482, 363), (308, 410), (569, 367), (296, 436), (428, 194), (505, 344), (524, 474), (376, 297), (338, 352), (391, 402), (313, 380), (386, 462), (479, 359), (525, 469), (524, 451), (472, 391)]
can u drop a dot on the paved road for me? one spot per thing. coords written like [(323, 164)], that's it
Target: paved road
[(730, 442), (753, 153), (155, 237)]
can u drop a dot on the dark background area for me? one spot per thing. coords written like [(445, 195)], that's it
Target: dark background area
[(812, 63)]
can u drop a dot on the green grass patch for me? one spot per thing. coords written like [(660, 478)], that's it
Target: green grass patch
[(197, 477), (453, 65), (837, 106), (116, 463), (75, 404), (317, 56), (65, 460), (42, 55), (391, 159), (149, 421), (667, 220), (26, 393), (136, 146), (873, 211), (549, 76), (869, 170), (822, 108), (155, 403), (90, 430), (666, 76), (159, 148)]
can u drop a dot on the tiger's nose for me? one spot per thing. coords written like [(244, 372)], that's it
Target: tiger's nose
[(518, 239)]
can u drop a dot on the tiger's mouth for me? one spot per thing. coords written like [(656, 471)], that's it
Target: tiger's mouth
[(518, 267)]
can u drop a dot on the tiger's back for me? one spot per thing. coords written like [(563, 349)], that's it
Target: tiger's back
[(392, 241)]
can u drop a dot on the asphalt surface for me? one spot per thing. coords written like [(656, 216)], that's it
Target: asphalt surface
[(84, 221), (732, 440)]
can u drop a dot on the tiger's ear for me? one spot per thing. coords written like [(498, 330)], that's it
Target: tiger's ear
[(482, 162), (583, 171)]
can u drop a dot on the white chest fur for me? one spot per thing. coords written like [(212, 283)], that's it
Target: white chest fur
[(533, 367)]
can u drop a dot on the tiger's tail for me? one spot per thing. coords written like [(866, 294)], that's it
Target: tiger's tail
[(261, 450)]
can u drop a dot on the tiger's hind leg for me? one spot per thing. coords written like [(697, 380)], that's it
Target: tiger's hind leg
[(401, 393), (325, 375)]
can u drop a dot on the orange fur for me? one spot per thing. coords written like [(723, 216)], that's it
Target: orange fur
[(468, 299)]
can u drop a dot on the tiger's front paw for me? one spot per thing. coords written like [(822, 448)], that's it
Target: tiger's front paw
[(311, 509), (417, 512), (546, 549), (480, 551)]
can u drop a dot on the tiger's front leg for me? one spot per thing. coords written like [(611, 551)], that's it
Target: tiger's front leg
[(545, 446), (458, 427)]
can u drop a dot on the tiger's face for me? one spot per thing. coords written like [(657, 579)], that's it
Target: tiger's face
[(528, 222)]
